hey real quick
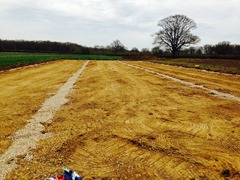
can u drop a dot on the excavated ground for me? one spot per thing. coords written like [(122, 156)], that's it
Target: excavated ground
[(23, 91), (124, 123)]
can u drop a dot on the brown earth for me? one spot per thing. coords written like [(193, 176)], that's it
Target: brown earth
[(219, 65), (124, 123)]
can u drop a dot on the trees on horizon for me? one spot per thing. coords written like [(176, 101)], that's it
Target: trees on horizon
[(173, 39), (175, 33)]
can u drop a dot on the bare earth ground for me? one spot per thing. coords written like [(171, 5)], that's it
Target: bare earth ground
[(125, 123), (23, 91)]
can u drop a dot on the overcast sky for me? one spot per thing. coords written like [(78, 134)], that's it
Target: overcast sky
[(100, 22)]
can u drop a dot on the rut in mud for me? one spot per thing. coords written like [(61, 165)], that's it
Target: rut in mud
[(121, 122)]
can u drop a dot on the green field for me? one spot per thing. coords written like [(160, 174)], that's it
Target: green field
[(11, 60)]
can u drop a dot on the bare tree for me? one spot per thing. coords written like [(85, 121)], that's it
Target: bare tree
[(175, 33), (157, 51), (145, 51), (117, 46), (134, 49), (224, 47), (208, 49)]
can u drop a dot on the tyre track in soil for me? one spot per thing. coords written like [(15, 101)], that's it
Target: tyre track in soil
[(25, 138), (123, 123), (23, 91), (190, 84), (221, 82)]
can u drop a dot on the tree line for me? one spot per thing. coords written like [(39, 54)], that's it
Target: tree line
[(173, 39), (115, 48), (220, 50), (41, 46)]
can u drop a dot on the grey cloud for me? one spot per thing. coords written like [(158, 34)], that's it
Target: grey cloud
[(91, 22)]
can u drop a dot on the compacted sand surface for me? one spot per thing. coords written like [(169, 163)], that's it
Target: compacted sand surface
[(122, 122)]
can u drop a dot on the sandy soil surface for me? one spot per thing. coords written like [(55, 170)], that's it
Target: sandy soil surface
[(124, 123), (23, 91), (213, 80)]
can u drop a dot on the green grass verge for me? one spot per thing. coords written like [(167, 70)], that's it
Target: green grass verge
[(12, 59)]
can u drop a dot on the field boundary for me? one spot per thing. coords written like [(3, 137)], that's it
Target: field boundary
[(190, 84), (25, 139), (192, 68), (24, 66), (9, 60)]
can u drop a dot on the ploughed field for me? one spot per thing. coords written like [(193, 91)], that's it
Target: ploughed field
[(122, 120)]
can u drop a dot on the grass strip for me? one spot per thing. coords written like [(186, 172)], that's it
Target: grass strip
[(11, 59)]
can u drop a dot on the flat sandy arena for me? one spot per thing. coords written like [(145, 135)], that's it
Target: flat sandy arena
[(122, 120)]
